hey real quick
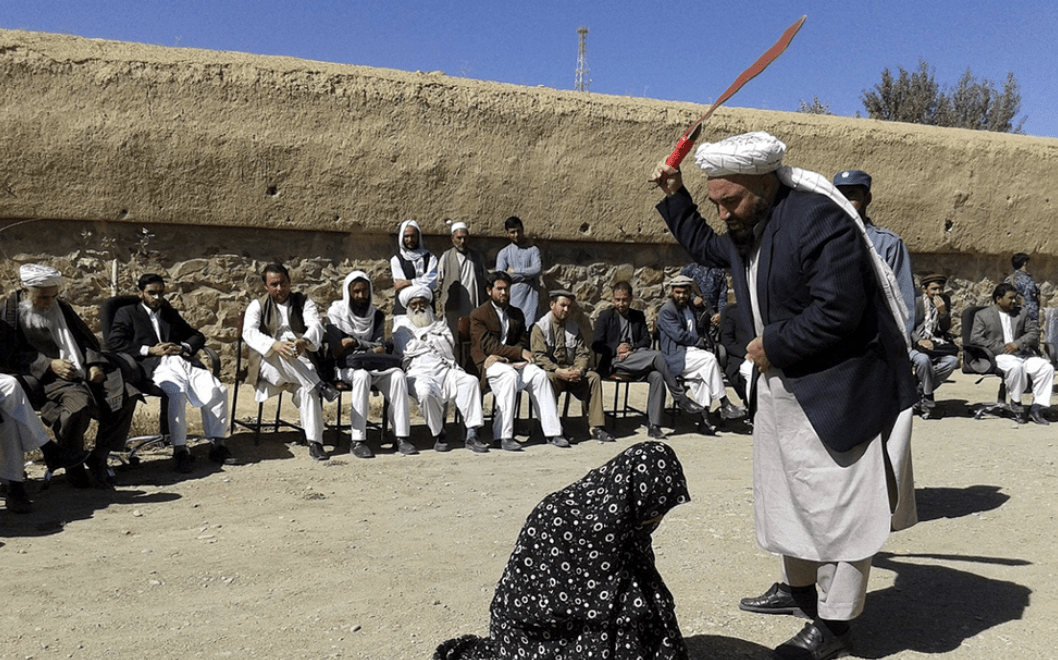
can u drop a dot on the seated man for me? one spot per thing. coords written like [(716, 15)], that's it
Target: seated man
[(684, 350), (426, 345), (735, 338), (160, 340), (559, 349), (66, 375), (283, 330), (622, 342), (934, 354), (413, 264), (21, 432), (1013, 336), (500, 350), (356, 336)]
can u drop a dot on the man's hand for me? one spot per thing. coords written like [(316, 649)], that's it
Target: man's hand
[(755, 354), (716, 319), (942, 307), (287, 349), (570, 375), (96, 374), (1010, 348), (378, 349), (163, 349), (63, 369), (623, 351), (400, 284), (668, 178), (527, 355), (493, 359)]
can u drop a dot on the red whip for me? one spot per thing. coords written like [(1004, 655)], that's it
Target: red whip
[(686, 141)]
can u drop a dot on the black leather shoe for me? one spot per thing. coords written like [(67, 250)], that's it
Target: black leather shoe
[(1036, 415), (221, 455), (57, 457), (558, 441), (317, 452), (689, 405), (183, 461), (731, 411), (405, 447), (814, 642), (655, 432), (327, 391), (705, 427), (476, 446), (16, 500), (777, 601), (602, 435), (361, 450), (510, 444)]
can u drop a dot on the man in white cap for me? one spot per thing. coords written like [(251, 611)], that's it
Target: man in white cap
[(356, 335), (284, 332), (559, 349), (834, 393), (499, 347), (413, 264), (434, 378), (461, 275), (66, 374)]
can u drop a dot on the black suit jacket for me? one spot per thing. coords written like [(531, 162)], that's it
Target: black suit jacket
[(826, 324), (132, 329), (607, 336)]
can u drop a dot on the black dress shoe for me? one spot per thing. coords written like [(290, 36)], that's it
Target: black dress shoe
[(16, 500), (689, 405), (317, 452), (510, 444), (602, 435), (57, 457), (183, 461), (78, 476), (221, 455), (814, 642), (1036, 415), (655, 432), (777, 601), (731, 411), (361, 450), (705, 427), (476, 446), (405, 447), (558, 441), (327, 391)]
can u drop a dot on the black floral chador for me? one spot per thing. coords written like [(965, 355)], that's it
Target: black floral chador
[(581, 582)]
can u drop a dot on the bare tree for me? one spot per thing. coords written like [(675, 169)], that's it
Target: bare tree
[(918, 98), (816, 107)]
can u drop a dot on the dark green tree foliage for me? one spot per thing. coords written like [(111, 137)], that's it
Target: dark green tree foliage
[(917, 98)]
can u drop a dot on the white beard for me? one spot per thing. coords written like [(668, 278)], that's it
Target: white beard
[(421, 318), (35, 320)]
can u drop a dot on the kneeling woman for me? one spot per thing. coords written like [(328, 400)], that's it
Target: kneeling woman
[(581, 582)]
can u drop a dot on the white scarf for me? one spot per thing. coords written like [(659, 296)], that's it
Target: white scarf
[(341, 313), (411, 255)]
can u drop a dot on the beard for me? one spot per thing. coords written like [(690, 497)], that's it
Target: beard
[(421, 318), (37, 320), (744, 237)]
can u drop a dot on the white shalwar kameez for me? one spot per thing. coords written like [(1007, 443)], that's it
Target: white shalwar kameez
[(20, 429)]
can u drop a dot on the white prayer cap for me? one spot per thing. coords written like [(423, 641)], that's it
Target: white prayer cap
[(749, 153), (409, 293), (456, 226), (39, 276)]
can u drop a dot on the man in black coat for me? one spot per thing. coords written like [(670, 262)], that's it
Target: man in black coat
[(833, 423), (164, 345), (934, 354), (622, 342)]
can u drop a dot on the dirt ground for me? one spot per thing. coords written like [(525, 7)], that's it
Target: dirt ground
[(284, 557)]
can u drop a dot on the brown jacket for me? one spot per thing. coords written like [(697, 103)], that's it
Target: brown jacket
[(485, 336)]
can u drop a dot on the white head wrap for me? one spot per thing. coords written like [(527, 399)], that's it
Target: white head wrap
[(760, 153), (39, 276), (410, 255), (341, 313), (409, 293), (456, 226)]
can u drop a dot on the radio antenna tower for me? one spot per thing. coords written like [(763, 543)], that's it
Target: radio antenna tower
[(582, 61)]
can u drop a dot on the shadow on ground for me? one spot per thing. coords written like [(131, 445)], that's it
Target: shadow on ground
[(936, 503)]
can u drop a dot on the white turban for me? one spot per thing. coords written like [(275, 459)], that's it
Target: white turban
[(39, 276), (409, 293), (760, 153), (749, 153), (456, 226)]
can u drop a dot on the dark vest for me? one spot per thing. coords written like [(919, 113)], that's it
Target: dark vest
[(409, 274)]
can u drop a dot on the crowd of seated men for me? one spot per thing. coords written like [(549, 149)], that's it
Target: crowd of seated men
[(53, 364)]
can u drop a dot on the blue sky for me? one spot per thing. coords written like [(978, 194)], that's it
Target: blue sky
[(676, 50)]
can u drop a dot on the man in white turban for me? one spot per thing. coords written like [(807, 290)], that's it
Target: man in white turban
[(66, 374), (413, 264), (831, 458), (461, 277), (434, 378), (356, 334)]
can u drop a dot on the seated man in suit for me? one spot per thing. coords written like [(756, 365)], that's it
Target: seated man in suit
[(934, 354), (1013, 336), (734, 338), (356, 332), (283, 330), (622, 342), (428, 350), (559, 349), (66, 374), (684, 348), (500, 350), (164, 345)]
